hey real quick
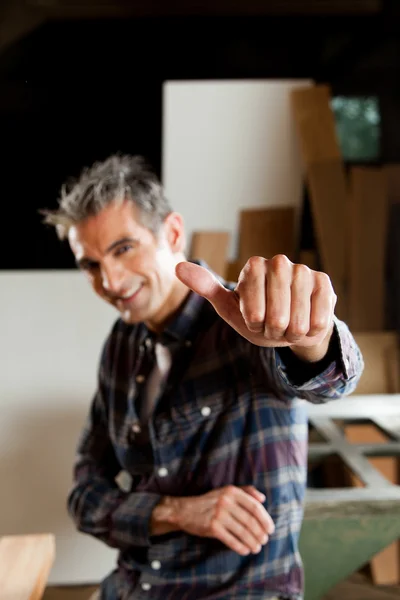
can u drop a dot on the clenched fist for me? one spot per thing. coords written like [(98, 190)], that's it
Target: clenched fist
[(276, 303)]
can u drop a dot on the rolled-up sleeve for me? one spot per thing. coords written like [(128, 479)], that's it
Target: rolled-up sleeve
[(336, 378), (96, 503)]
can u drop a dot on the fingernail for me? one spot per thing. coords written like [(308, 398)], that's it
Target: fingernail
[(265, 540), (257, 550), (263, 497)]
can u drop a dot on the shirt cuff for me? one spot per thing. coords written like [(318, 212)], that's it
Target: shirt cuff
[(298, 372), (131, 520)]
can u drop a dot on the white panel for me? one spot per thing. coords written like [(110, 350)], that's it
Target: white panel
[(52, 330), (229, 145)]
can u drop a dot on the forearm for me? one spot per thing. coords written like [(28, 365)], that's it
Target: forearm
[(164, 518), (121, 520)]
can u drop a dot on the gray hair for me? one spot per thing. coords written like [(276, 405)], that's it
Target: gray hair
[(118, 178)]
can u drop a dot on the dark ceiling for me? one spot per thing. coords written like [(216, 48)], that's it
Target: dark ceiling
[(75, 90)]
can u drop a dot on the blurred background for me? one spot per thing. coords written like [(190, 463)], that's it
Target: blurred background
[(274, 126)]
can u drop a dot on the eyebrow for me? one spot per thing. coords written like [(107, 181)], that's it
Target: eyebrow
[(86, 260), (123, 240)]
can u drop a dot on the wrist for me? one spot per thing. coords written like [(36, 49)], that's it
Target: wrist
[(165, 516), (313, 353)]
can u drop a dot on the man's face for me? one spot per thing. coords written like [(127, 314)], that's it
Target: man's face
[(127, 264)]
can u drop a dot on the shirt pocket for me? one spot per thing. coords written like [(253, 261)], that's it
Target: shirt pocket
[(186, 419)]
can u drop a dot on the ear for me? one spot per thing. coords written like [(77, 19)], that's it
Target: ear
[(175, 232)]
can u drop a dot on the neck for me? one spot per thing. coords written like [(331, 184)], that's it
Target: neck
[(170, 308)]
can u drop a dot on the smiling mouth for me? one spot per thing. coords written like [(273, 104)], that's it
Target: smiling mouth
[(130, 296)]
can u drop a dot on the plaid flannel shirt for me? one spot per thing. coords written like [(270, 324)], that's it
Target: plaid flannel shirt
[(227, 414)]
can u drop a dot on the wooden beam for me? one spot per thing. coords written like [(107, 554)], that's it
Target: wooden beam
[(109, 8), (25, 564)]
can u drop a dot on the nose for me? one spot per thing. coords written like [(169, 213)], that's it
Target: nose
[(112, 278)]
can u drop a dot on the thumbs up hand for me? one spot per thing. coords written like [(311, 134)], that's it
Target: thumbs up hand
[(275, 303)]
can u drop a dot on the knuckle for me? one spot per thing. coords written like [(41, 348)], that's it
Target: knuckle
[(256, 263), (320, 323), (277, 321), (253, 315), (301, 271), (323, 280), (299, 328), (280, 261)]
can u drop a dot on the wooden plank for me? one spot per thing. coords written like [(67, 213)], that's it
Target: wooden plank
[(381, 359), (267, 232), (329, 199), (385, 566), (393, 182), (315, 124), (368, 231), (25, 563), (212, 247), (233, 270), (326, 181)]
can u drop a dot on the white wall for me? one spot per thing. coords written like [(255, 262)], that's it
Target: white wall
[(52, 329), (229, 145)]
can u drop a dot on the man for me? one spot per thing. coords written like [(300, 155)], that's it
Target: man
[(197, 399)]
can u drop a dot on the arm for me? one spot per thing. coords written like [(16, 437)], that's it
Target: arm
[(234, 515), (334, 375), (96, 503), (123, 520), (286, 311)]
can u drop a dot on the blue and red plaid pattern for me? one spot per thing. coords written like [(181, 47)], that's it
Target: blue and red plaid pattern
[(254, 431)]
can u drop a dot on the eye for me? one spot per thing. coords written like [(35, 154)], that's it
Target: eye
[(123, 249)]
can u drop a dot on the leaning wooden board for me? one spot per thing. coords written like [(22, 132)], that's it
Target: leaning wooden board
[(25, 564), (212, 247), (329, 204), (367, 231), (326, 181), (267, 232), (316, 124)]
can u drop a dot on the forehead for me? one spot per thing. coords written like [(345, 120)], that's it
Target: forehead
[(96, 233)]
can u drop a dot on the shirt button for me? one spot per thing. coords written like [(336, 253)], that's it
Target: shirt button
[(140, 378), (136, 428), (188, 343), (162, 472), (156, 565), (148, 343), (206, 411), (146, 587)]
